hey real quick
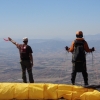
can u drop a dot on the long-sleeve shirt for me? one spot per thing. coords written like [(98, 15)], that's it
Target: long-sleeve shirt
[(86, 47)]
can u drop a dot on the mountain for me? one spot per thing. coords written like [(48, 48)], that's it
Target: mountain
[(92, 37), (52, 44), (51, 62)]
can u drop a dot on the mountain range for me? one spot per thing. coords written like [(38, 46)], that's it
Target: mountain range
[(51, 62)]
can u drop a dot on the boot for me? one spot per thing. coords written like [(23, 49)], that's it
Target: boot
[(86, 83)]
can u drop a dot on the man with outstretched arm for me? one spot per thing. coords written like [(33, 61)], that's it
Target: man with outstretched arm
[(26, 59), (78, 48)]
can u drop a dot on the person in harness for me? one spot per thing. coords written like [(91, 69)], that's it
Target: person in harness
[(78, 48), (26, 58)]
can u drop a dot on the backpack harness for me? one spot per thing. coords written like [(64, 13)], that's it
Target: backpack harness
[(79, 52)]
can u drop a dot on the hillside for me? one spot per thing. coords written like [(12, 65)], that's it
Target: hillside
[(51, 62)]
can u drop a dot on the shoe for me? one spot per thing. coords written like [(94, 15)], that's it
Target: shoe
[(86, 84), (73, 83)]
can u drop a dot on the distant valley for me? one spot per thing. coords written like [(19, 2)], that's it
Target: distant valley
[(52, 64)]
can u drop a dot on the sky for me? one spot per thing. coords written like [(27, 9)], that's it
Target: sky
[(48, 19)]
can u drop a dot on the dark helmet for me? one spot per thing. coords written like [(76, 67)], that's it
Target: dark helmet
[(79, 34)]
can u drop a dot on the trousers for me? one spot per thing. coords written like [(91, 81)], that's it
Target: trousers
[(26, 66), (79, 67)]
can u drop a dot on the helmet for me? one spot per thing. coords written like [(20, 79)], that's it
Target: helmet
[(79, 34), (25, 39)]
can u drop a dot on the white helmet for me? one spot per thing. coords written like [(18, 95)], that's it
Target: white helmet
[(25, 39)]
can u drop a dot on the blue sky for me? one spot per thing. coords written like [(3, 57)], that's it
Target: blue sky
[(48, 19)]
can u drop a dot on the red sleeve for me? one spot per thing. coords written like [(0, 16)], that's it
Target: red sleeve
[(71, 49), (86, 47), (18, 46)]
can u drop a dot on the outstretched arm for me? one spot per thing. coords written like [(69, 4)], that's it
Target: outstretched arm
[(12, 41)]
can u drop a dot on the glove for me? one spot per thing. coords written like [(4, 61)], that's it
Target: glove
[(93, 49), (66, 48)]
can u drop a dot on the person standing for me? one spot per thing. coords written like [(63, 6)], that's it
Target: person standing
[(26, 59), (78, 48)]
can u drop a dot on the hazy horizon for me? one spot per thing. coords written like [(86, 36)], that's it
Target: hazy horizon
[(67, 38)]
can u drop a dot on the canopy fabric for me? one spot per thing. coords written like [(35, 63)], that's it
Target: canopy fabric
[(46, 91)]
